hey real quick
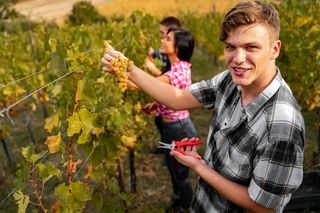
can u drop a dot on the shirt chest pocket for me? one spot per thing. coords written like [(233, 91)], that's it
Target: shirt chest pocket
[(232, 163)]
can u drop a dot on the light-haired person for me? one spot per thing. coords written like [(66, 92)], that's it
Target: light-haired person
[(253, 160)]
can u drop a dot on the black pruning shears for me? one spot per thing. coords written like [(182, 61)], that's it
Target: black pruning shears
[(173, 146)]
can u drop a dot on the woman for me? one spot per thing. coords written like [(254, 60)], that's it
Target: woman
[(176, 125)]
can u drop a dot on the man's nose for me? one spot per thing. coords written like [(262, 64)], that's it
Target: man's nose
[(240, 56)]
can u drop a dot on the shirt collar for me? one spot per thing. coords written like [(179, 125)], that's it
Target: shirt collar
[(255, 106), (180, 64)]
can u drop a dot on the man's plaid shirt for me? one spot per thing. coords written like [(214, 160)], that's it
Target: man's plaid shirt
[(259, 146)]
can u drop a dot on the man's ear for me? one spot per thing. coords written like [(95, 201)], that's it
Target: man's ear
[(275, 49)]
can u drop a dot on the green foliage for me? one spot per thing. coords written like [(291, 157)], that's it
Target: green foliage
[(84, 12), (22, 176), (299, 59), (72, 198)]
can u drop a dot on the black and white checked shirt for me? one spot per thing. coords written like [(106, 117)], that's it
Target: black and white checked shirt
[(259, 146)]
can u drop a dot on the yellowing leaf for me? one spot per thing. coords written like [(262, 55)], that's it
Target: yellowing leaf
[(97, 132), (137, 119), (74, 165), (33, 106), (53, 143), (51, 122), (22, 201), (138, 107), (128, 141)]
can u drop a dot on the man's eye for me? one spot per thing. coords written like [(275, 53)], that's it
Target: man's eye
[(251, 47), (229, 47)]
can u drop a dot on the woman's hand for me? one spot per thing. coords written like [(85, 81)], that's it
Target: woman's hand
[(150, 65), (188, 161), (149, 108)]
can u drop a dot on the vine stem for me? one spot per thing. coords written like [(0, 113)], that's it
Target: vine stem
[(70, 140), (36, 192)]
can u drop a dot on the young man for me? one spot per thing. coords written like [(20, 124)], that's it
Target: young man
[(254, 154), (165, 24)]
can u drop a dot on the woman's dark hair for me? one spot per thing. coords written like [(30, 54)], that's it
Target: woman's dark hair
[(184, 42)]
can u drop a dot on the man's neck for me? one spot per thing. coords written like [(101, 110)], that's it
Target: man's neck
[(249, 93)]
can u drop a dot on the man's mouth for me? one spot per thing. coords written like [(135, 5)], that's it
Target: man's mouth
[(240, 71)]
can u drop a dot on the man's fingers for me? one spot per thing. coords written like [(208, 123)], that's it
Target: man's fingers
[(103, 60), (108, 57)]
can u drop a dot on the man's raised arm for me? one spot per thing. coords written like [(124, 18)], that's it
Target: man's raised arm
[(164, 93)]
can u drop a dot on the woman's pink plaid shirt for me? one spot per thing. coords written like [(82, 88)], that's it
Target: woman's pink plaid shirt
[(180, 77)]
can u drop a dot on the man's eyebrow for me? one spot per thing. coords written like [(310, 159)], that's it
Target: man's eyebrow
[(245, 44)]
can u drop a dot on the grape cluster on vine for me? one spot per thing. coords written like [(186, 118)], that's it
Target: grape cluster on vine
[(119, 66)]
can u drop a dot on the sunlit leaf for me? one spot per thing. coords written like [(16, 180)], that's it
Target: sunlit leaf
[(22, 201), (51, 122), (53, 143), (74, 124)]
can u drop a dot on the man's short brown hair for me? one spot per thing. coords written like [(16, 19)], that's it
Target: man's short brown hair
[(246, 13), (171, 22)]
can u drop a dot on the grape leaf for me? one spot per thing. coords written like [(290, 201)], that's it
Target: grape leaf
[(97, 201), (51, 122), (109, 205), (53, 143), (86, 92), (117, 118), (58, 63), (47, 172), (63, 195), (27, 152), (84, 138), (98, 175), (46, 42), (80, 191), (82, 37), (74, 124), (21, 176), (97, 48), (89, 120), (22, 201), (35, 157), (63, 113), (57, 90)]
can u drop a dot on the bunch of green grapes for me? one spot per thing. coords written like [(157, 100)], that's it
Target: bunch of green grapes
[(119, 66)]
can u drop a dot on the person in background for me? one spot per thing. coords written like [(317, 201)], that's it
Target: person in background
[(178, 46), (253, 160), (165, 24)]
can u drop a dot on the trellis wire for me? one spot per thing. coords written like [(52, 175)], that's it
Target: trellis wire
[(9, 107), (15, 189), (37, 73)]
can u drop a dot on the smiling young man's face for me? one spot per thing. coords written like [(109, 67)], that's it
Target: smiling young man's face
[(250, 55)]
